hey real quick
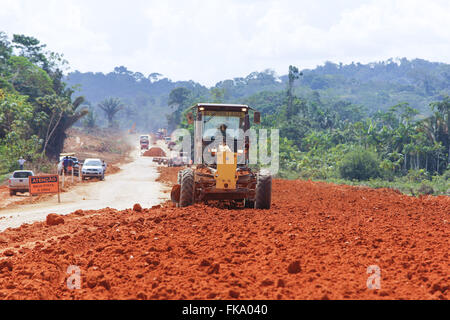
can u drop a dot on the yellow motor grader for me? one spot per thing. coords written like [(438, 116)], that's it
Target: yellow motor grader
[(221, 170)]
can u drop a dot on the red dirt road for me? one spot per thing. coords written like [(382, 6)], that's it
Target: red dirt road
[(315, 243)]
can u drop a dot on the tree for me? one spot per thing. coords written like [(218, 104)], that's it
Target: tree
[(294, 74), (443, 118), (90, 120), (29, 79), (57, 114), (360, 164), (5, 51), (218, 95), (178, 101), (32, 49), (111, 107)]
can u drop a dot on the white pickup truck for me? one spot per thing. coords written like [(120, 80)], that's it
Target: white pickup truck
[(19, 182)]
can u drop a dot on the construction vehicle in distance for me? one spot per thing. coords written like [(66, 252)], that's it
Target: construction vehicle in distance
[(144, 141), (229, 178), (161, 134)]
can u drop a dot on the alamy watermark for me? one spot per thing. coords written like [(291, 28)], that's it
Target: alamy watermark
[(262, 146), (374, 280), (74, 279)]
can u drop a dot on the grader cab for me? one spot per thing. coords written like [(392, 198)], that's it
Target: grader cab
[(221, 170)]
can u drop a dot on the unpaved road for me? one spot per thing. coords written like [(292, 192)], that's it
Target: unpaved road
[(135, 183), (316, 242)]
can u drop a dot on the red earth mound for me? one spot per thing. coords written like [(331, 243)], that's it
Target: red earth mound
[(155, 152), (317, 242), (168, 175), (54, 219)]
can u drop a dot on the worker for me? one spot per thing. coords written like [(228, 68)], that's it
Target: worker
[(21, 162), (66, 163), (224, 134)]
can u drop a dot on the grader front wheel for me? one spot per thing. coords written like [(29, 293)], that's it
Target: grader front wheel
[(187, 189)]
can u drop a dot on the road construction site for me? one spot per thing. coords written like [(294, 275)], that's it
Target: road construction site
[(317, 241)]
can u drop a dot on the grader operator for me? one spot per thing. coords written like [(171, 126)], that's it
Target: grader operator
[(221, 169)]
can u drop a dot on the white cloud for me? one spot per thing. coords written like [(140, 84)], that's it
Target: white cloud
[(209, 41)]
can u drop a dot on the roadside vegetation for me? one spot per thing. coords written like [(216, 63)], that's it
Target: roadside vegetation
[(338, 141), (36, 107)]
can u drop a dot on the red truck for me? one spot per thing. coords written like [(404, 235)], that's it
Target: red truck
[(145, 142)]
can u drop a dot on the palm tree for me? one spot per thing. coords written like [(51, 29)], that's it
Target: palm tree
[(110, 107), (443, 114)]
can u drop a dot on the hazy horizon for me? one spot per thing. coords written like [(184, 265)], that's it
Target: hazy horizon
[(212, 41)]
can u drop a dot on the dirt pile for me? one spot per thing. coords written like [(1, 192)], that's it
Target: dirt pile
[(54, 220), (168, 175), (317, 242), (155, 152)]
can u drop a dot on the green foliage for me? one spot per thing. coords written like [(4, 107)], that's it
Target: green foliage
[(360, 164), (29, 79), (417, 176), (89, 121), (111, 107), (425, 189), (36, 109), (178, 102)]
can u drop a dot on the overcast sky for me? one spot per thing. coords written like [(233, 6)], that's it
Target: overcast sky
[(212, 40)]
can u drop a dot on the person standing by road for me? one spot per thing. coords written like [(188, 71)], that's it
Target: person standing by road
[(65, 164), (21, 162)]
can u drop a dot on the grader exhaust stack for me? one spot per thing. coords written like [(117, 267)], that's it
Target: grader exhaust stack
[(221, 169)]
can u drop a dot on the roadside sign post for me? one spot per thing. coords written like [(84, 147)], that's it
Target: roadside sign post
[(44, 184)]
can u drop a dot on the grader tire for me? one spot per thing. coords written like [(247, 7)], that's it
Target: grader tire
[(249, 204), (263, 192), (187, 189)]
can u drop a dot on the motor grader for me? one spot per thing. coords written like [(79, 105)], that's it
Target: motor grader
[(221, 170)]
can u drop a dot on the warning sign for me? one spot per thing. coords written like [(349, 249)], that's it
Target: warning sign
[(44, 184)]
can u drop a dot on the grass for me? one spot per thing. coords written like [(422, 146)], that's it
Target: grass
[(412, 184), (4, 177), (438, 187)]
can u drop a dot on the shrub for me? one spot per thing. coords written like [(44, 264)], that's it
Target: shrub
[(425, 189), (360, 164), (417, 176)]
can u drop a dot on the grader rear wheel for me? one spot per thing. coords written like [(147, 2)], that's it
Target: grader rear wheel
[(187, 188), (263, 192)]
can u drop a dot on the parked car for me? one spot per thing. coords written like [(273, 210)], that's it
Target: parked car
[(160, 160), (18, 182), (93, 168)]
